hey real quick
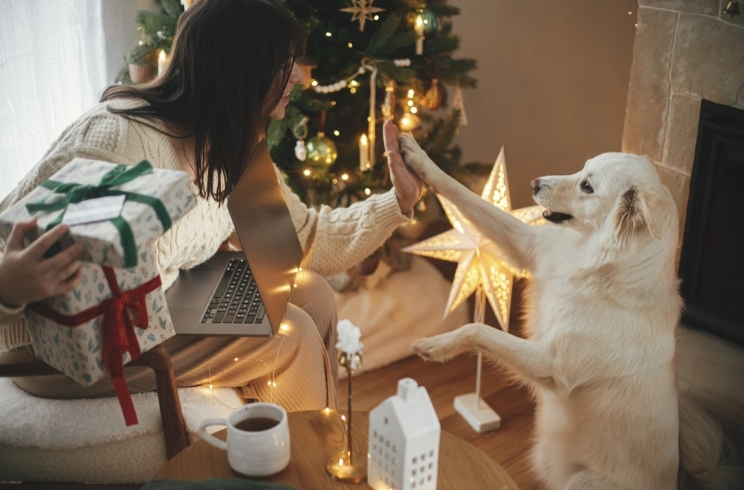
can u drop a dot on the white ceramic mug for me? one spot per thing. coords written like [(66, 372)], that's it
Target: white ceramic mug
[(253, 453)]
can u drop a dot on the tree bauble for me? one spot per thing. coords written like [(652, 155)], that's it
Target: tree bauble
[(321, 150)]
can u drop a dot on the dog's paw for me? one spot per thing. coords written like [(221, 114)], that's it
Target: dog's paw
[(435, 349), (416, 158)]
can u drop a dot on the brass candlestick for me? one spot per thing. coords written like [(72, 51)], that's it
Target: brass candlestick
[(342, 466)]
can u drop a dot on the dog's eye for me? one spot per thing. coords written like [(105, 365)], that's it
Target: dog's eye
[(586, 187)]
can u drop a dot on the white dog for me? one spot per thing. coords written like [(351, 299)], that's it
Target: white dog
[(602, 309)]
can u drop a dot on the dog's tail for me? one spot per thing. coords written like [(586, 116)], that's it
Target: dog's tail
[(707, 458)]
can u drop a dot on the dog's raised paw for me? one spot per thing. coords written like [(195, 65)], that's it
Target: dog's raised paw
[(412, 153)]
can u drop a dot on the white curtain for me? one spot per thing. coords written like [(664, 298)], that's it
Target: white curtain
[(52, 69)]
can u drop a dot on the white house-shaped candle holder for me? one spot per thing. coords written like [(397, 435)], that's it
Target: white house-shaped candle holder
[(403, 451)]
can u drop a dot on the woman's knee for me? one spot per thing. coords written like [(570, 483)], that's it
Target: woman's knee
[(315, 296)]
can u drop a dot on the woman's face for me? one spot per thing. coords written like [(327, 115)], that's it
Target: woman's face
[(294, 78)]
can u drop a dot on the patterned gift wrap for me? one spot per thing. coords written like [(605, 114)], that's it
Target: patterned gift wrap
[(94, 329), (155, 198)]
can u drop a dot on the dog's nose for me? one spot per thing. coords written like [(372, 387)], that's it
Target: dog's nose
[(535, 185)]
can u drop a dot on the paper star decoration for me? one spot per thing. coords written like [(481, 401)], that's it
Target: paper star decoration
[(362, 10), (480, 262)]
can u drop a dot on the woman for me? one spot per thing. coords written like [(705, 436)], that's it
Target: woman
[(231, 69)]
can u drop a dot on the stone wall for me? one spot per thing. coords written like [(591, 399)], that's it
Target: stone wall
[(685, 51)]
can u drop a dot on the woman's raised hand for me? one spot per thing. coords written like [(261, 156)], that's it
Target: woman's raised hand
[(408, 186), (26, 276)]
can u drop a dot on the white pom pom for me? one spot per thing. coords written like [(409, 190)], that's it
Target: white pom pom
[(342, 83), (348, 338)]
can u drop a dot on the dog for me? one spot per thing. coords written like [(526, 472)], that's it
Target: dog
[(601, 312)]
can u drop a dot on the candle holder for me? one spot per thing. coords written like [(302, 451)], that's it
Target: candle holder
[(343, 466)]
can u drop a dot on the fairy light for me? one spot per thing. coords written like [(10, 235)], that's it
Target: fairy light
[(335, 181), (414, 110), (314, 83), (367, 191), (350, 45), (377, 17), (345, 177), (411, 93), (236, 359), (352, 90), (328, 34), (336, 133), (354, 83), (410, 103), (306, 172)]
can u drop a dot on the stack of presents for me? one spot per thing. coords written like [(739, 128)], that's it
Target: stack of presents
[(118, 311)]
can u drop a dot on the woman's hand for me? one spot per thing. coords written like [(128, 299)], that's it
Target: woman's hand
[(408, 186), (26, 276)]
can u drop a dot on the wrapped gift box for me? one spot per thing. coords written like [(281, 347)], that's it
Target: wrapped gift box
[(109, 319), (81, 194)]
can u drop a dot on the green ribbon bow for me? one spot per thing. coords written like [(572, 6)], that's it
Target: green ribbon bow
[(75, 193)]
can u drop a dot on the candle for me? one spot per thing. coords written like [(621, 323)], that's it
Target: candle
[(162, 62), (363, 153), (420, 31)]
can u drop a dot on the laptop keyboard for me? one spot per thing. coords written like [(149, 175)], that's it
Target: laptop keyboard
[(236, 299)]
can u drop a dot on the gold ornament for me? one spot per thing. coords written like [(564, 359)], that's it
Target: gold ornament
[(362, 11), (321, 150), (481, 263), (432, 99)]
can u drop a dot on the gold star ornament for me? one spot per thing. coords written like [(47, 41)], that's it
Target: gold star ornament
[(480, 262), (362, 11)]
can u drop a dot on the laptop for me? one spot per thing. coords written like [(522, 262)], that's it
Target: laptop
[(243, 293)]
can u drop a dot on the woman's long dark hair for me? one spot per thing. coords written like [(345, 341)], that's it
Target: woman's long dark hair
[(229, 65)]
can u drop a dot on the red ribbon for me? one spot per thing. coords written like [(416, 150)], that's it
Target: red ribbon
[(118, 335)]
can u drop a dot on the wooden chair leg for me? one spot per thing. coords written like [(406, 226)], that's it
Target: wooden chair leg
[(174, 427)]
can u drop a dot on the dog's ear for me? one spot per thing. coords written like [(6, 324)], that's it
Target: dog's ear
[(638, 208)]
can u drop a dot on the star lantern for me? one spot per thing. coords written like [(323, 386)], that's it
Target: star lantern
[(362, 11), (480, 262)]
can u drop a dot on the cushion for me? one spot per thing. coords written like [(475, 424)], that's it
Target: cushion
[(86, 440)]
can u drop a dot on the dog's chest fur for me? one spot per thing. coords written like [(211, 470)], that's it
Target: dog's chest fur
[(594, 316)]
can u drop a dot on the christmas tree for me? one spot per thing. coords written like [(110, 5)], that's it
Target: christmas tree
[(365, 61), (157, 30)]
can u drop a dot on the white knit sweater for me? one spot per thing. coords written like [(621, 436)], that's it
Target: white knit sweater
[(332, 239)]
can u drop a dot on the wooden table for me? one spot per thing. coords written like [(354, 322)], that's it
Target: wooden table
[(316, 435)]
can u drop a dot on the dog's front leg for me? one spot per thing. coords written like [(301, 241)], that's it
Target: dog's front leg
[(530, 359), (514, 237)]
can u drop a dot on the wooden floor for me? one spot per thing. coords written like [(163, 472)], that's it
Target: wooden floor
[(509, 446)]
